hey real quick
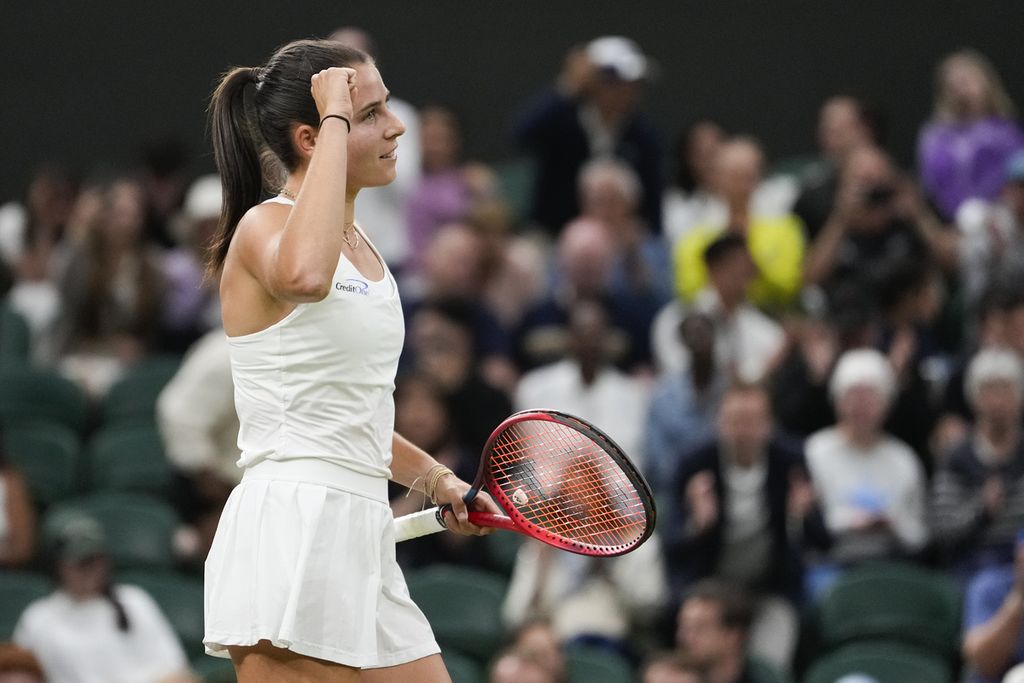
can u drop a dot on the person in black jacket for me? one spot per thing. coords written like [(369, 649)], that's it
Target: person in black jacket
[(744, 506), (593, 112)]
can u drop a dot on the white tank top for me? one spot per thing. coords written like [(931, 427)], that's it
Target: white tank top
[(319, 383)]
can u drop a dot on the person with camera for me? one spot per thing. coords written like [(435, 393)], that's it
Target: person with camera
[(879, 215)]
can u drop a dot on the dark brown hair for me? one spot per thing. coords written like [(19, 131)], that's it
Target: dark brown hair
[(734, 605), (242, 130)]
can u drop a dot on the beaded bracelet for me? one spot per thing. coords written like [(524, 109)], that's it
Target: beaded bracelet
[(338, 116)]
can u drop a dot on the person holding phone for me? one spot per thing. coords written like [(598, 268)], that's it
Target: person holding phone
[(301, 581)]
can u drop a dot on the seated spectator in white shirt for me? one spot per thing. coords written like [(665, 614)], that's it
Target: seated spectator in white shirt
[(747, 342), (90, 629), (870, 485), (197, 420), (587, 385)]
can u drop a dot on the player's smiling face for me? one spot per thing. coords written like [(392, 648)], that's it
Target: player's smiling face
[(373, 142)]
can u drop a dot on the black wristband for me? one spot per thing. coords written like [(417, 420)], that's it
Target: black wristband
[(348, 123)]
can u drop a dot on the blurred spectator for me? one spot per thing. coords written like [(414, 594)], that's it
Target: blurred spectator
[(513, 666), (422, 417), (441, 332), (17, 516), (683, 406), (191, 305), (776, 242), (33, 250), (993, 638), (799, 385), (383, 207), (163, 178), (31, 230), (196, 416), (585, 257), (514, 266), (878, 217), (670, 667), (845, 123), (538, 640), (689, 200), (454, 271), (742, 505), (89, 629), (593, 112), (111, 293), (598, 600), (1000, 325), (961, 150), (747, 342), (870, 485), (446, 187), (18, 665), (992, 236), (587, 385), (639, 282), (910, 295), (714, 621), (978, 494)]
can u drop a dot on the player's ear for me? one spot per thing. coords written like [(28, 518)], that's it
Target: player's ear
[(304, 140)]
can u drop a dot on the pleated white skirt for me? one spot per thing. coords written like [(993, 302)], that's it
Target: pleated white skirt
[(311, 568)]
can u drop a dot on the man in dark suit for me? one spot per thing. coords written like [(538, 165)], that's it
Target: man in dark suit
[(593, 112)]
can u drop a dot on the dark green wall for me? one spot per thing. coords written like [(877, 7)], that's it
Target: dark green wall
[(89, 81)]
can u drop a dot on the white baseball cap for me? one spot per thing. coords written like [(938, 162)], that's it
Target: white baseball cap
[(620, 56)]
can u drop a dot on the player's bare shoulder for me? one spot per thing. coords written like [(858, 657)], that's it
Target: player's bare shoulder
[(259, 226)]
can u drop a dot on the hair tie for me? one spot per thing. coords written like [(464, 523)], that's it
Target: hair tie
[(256, 75)]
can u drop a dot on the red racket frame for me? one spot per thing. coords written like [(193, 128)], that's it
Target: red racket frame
[(516, 521)]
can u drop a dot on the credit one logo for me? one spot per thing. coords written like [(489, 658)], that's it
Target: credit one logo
[(353, 286)]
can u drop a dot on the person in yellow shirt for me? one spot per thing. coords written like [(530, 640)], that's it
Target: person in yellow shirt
[(776, 242)]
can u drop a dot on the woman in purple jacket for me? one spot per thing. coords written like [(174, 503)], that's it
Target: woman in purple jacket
[(963, 149)]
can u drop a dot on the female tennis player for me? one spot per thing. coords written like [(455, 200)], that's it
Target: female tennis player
[(301, 582)]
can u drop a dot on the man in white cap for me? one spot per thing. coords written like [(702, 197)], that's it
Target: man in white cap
[(592, 112)]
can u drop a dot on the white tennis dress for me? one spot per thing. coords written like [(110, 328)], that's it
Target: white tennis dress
[(304, 555)]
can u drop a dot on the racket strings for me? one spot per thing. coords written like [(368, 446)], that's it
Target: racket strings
[(563, 482)]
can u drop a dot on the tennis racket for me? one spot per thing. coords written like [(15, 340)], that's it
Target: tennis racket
[(562, 481)]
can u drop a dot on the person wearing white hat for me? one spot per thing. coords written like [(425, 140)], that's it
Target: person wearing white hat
[(593, 112), (191, 306), (870, 485)]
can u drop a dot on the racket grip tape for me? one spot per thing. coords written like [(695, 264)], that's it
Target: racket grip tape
[(421, 523)]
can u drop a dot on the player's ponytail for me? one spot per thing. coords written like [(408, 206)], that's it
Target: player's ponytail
[(237, 155), (245, 133)]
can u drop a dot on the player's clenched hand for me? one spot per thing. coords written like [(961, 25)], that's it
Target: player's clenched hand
[(334, 90), (451, 490)]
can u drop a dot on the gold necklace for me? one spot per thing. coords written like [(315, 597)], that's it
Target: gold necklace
[(352, 242)]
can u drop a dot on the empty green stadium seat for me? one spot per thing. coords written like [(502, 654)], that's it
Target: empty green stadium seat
[(892, 601), (463, 606), (887, 662), (214, 669), (139, 529), (129, 458), (49, 455), (597, 665), (132, 399), (17, 590), (29, 395), (461, 668), (15, 336)]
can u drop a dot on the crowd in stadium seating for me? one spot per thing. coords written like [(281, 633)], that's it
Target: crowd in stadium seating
[(819, 367)]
